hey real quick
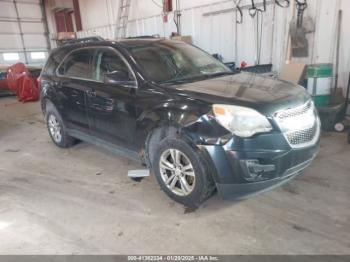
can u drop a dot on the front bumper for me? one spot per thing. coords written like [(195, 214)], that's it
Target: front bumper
[(271, 167), (237, 191)]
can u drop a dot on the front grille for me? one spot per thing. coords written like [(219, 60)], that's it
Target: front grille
[(300, 125), (301, 136), (294, 112)]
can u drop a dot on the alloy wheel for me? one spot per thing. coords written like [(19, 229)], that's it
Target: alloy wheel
[(55, 129), (177, 172)]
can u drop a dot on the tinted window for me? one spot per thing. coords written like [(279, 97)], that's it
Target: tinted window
[(77, 65), (108, 61), (53, 61), (165, 61)]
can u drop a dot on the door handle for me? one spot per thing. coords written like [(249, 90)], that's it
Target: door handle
[(91, 93)]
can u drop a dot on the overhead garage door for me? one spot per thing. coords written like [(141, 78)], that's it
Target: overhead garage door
[(23, 32)]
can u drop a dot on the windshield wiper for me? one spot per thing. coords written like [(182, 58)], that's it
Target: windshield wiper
[(219, 74), (195, 78), (174, 81), (183, 80)]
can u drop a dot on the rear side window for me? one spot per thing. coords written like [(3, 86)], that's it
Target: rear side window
[(77, 64), (108, 61), (53, 61)]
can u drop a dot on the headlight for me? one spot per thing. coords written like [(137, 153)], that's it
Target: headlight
[(241, 121)]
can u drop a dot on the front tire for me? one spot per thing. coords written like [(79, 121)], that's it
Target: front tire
[(182, 172), (56, 128)]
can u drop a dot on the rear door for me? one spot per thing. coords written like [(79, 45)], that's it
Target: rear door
[(111, 107), (74, 80)]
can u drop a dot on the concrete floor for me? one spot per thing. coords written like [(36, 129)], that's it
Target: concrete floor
[(80, 201)]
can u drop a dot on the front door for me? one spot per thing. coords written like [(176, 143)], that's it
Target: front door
[(111, 107)]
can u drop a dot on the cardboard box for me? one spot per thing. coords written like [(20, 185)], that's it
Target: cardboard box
[(65, 35), (293, 72), (186, 38)]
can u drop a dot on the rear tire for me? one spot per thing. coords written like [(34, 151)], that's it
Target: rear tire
[(56, 128), (182, 172)]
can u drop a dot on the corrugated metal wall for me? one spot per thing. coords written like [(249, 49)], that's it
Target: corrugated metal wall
[(217, 33), (22, 32)]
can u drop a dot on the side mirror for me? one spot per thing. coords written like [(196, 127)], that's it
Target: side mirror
[(119, 77)]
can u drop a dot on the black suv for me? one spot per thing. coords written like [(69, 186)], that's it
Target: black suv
[(198, 126)]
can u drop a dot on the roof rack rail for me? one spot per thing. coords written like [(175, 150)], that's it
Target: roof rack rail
[(82, 40), (143, 36)]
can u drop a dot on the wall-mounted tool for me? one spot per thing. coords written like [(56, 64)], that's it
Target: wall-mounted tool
[(299, 42), (337, 56), (254, 7), (301, 6), (239, 20), (255, 12), (177, 17), (282, 3), (239, 11)]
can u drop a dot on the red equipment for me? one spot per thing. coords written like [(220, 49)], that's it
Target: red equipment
[(23, 82), (244, 64), (167, 7)]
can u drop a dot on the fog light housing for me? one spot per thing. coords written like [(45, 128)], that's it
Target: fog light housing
[(253, 171)]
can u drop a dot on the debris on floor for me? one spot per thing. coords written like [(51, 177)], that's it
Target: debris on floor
[(138, 173), (12, 150)]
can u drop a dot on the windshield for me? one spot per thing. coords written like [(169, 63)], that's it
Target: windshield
[(171, 62)]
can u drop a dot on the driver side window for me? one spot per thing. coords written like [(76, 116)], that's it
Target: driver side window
[(108, 61)]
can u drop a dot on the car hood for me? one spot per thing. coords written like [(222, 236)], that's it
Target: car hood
[(265, 94)]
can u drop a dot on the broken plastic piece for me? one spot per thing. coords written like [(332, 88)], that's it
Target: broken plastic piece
[(139, 173)]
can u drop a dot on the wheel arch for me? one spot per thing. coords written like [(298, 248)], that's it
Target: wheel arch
[(44, 102), (156, 134), (168, 119), (175, 130)]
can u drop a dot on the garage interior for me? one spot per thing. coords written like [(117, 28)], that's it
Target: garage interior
[(81, 201)]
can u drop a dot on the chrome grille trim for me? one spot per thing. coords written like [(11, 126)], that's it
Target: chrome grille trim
[(301, 136), (293, 112), (307, 134)]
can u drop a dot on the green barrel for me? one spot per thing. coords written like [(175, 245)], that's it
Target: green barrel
[(319, 84)]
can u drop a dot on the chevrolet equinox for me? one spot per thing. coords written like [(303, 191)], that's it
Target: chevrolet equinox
[(197, 125)]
